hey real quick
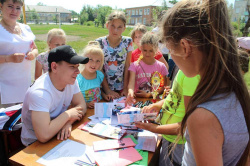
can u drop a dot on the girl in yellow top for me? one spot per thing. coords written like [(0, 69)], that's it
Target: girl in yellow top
[(173, 111)]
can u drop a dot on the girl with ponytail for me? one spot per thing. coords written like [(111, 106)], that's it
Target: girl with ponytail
[(216, 125)]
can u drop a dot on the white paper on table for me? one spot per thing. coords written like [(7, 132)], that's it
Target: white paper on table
[(105, 121), (66, 153)]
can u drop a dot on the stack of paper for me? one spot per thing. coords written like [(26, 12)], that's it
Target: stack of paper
[(107, 131), (119, 157)]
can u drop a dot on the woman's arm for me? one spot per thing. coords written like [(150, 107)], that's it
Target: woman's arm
[(14, 58), (33, 53)]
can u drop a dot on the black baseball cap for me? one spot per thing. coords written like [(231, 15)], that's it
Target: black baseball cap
[(66, 53)]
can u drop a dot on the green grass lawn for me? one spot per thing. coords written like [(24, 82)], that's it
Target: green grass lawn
[(87, 33)]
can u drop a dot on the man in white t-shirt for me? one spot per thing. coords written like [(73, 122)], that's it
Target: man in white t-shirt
[(45, 110)]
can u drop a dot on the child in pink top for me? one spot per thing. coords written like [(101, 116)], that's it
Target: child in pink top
[(141, 70), (136, 35)]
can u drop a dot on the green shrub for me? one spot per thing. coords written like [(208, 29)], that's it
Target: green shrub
[(237, 33), (89, 23)]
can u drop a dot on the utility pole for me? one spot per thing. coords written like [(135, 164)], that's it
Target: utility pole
[(24, 14)]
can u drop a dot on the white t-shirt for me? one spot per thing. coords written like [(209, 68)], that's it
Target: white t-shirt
[(161, 46), (15, 78), (43, 96)]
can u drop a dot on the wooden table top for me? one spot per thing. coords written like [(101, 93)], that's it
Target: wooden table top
[(32, 153)]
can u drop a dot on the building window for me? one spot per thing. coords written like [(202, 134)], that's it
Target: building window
[(137, 12), (144, 21), (148, 11), (132, 21), (140, 20), (133, 12), (145, 11), (237, 10), (140, 12), (129, 12)]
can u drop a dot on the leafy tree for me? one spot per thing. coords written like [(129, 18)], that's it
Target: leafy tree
[(173, 2), (102, 13), (83, 15), (90, 12), (159, 11), (41, 4), (230, 10), (33, 15), (96, 22)]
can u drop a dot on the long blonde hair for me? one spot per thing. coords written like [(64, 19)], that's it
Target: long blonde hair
[(206, 24), (55, 32), (93, 47)]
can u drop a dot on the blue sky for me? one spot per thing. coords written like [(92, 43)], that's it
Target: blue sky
[(77, 5)]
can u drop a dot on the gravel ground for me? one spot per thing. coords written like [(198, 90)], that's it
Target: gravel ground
[(43, 37)]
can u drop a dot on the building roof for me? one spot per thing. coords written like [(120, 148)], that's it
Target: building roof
[(147, 4), (46, 9)]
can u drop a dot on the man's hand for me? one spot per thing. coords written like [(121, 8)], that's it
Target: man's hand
[(65, 132), (75, 113)]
